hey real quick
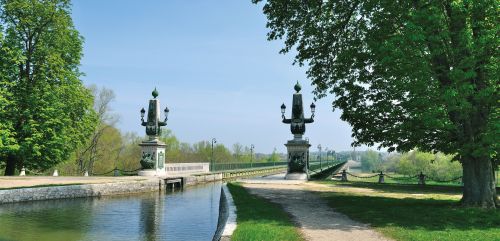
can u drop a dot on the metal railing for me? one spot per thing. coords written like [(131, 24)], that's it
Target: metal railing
[(421, 178), (244, 165), (318, 166)]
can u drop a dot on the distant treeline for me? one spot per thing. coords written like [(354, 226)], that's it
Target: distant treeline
[(437, 166)]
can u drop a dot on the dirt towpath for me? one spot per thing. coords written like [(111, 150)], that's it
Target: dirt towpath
[(317, 221)]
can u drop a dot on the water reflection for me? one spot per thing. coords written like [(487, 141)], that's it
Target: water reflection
[(190, 214)]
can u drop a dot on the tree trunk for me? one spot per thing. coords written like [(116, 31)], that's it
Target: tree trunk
[(10, 168), (479, 183)]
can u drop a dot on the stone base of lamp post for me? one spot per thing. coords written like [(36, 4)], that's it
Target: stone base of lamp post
[(296, 176), (298, 159), (153, 158)]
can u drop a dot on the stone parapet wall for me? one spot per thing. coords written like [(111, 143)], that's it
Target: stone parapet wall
[(173, 169), (75, 191), (195, 179)]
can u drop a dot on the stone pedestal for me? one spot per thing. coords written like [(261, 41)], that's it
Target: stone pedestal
[(298, 159), (153, 158)]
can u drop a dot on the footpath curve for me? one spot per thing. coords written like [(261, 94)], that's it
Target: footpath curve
[(316, 220)]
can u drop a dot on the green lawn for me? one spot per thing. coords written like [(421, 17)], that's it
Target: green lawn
[(410, 212), (259, 219)]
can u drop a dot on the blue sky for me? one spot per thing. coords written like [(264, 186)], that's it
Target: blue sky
[(212, 65)]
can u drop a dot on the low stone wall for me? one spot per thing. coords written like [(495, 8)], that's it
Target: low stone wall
[(173, 169), (75, 191), (234, 174), (116, 188), (202, 178)]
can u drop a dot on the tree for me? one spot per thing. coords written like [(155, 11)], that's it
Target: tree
[(49, 110), (408, 74), (370, 161), (237, 151), (435, 166), (108, 152), (275, 157), (7, 141), (88, 154)]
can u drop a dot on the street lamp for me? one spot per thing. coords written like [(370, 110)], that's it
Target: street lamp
[(251, 155), (212, 159), (143, 112), (166, 113), (320, 166), (283, 108), (313, 109)]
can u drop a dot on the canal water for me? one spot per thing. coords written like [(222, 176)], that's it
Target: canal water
[(189, 214)]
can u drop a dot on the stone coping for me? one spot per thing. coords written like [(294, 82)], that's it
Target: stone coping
[(11, 182), (58, 191), (231, 219), (227, 216)]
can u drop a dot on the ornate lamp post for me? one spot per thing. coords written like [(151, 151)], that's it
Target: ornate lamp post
[(153, 150), (214, 141), (251, 155), (298, 149)]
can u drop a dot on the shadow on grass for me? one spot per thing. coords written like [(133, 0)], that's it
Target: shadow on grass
[(401, 188), (418, 219), (412, 213), (259, 219)]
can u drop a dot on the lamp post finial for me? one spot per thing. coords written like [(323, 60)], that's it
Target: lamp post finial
[(155, 93)]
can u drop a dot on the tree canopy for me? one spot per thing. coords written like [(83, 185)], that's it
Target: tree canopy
[(405, 74), (48, 112)]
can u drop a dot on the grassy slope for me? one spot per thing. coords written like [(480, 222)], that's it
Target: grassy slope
[(413, 213), (259, 219)]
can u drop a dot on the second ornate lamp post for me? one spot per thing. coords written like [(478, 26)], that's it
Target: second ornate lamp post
[(298, 149), (153, 150)]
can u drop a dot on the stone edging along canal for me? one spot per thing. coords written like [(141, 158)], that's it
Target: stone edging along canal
[(77, 190), (35, 193), (227, 216)]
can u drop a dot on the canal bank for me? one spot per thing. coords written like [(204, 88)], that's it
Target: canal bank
[(21, 189), (190, 213), (36, 188)]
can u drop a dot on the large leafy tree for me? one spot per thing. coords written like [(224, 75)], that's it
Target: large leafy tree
[(7, 141), (48, 110), (406, 74)]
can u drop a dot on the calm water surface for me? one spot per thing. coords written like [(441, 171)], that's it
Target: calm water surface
[(190, 214)]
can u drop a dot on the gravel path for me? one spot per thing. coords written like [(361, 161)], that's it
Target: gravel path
[(317, 221)]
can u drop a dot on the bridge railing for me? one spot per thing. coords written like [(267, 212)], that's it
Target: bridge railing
[(316, 165), (216, 167)]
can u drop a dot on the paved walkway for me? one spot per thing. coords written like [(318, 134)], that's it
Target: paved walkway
[(29, 181), (317, 221)]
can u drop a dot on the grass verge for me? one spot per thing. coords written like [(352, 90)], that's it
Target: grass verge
[(410, 213), (259, 219)]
